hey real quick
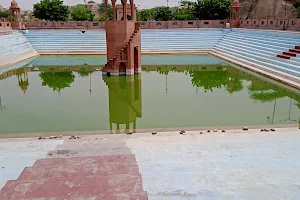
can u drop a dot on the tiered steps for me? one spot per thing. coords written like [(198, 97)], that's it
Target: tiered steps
[(94, 177), (52, 41), (56, 41), (180, 40), (260, 49), (14, 48), (14, 44), (290, 53)]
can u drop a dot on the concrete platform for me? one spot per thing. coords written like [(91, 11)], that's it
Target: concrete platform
[(168, 166)]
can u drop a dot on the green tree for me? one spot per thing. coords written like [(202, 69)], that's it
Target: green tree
[(57, 80), (298, 12), (145, 15), (102, 12), (163, 13), (184, 14), (52, 10), (212, 9), (81, 13), (209, 79), (4, 14), (83, 72), (262, 92)]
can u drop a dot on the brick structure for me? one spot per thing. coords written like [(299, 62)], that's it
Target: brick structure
[(15, 15), (119, 10), (235, 14), (123, 40)]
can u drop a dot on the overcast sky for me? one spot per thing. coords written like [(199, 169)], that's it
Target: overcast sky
[(27, 4)]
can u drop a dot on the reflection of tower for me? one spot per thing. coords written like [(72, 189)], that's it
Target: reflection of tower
[(125, 101), (90, 84), (1, 106), (23, 79), (167, 83), (290, 109)]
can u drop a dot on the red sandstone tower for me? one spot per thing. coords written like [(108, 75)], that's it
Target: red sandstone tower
[(123, 42), (15, 15), (235, 13)]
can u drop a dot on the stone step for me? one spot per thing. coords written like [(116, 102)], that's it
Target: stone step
[(284, 56), (290, 54), (77, 169), (294, 50), (106, 196), (115, 159), (47, 188)]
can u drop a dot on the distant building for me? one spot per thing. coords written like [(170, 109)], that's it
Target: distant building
[(94, 7), (2, 9)]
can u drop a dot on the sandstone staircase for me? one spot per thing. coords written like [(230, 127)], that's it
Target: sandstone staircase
[(290, 53), (121, 55), (114, 177)]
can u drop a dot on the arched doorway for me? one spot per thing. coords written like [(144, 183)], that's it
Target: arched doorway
[(128, 17), (136, 59), (122, 68)]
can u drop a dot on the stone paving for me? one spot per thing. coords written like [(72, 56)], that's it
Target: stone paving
[(167, 166), (87, 168), (231, 166)]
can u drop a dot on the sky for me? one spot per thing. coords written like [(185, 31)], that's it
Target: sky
[(28, 4)]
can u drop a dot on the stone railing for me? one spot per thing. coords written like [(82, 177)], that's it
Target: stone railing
[(65, 25), (5, 26), (144, 25), (272, 24), (183, 24)]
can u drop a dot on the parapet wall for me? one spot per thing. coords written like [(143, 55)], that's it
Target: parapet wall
[(4, 26), (271, 24), (65, 25)]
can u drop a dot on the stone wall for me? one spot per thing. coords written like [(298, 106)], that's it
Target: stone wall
[(5, 26), (272, 24), (145, 25), (65, 25)]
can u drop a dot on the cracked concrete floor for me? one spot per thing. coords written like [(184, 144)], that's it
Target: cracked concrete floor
[(234, 165)]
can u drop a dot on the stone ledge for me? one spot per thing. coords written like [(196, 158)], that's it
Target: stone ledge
[(276, 75), (18, 58)]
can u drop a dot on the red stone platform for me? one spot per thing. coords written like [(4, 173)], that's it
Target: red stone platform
[(92, 178)]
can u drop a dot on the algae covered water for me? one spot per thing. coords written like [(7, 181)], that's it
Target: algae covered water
[(67, 93)]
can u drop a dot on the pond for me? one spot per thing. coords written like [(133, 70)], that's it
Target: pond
[(69, 93)]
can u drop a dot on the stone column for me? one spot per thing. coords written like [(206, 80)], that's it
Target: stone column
[(110, 127), (134, 126), (106, 12), (114, 9), (132, 10), (124, 2)]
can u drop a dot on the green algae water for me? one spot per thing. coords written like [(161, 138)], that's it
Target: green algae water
[(68, 93)]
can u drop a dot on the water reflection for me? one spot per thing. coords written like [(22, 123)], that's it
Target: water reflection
[(57, 81), (125, 94), (23, 79), (208, 77), (125, 102)]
